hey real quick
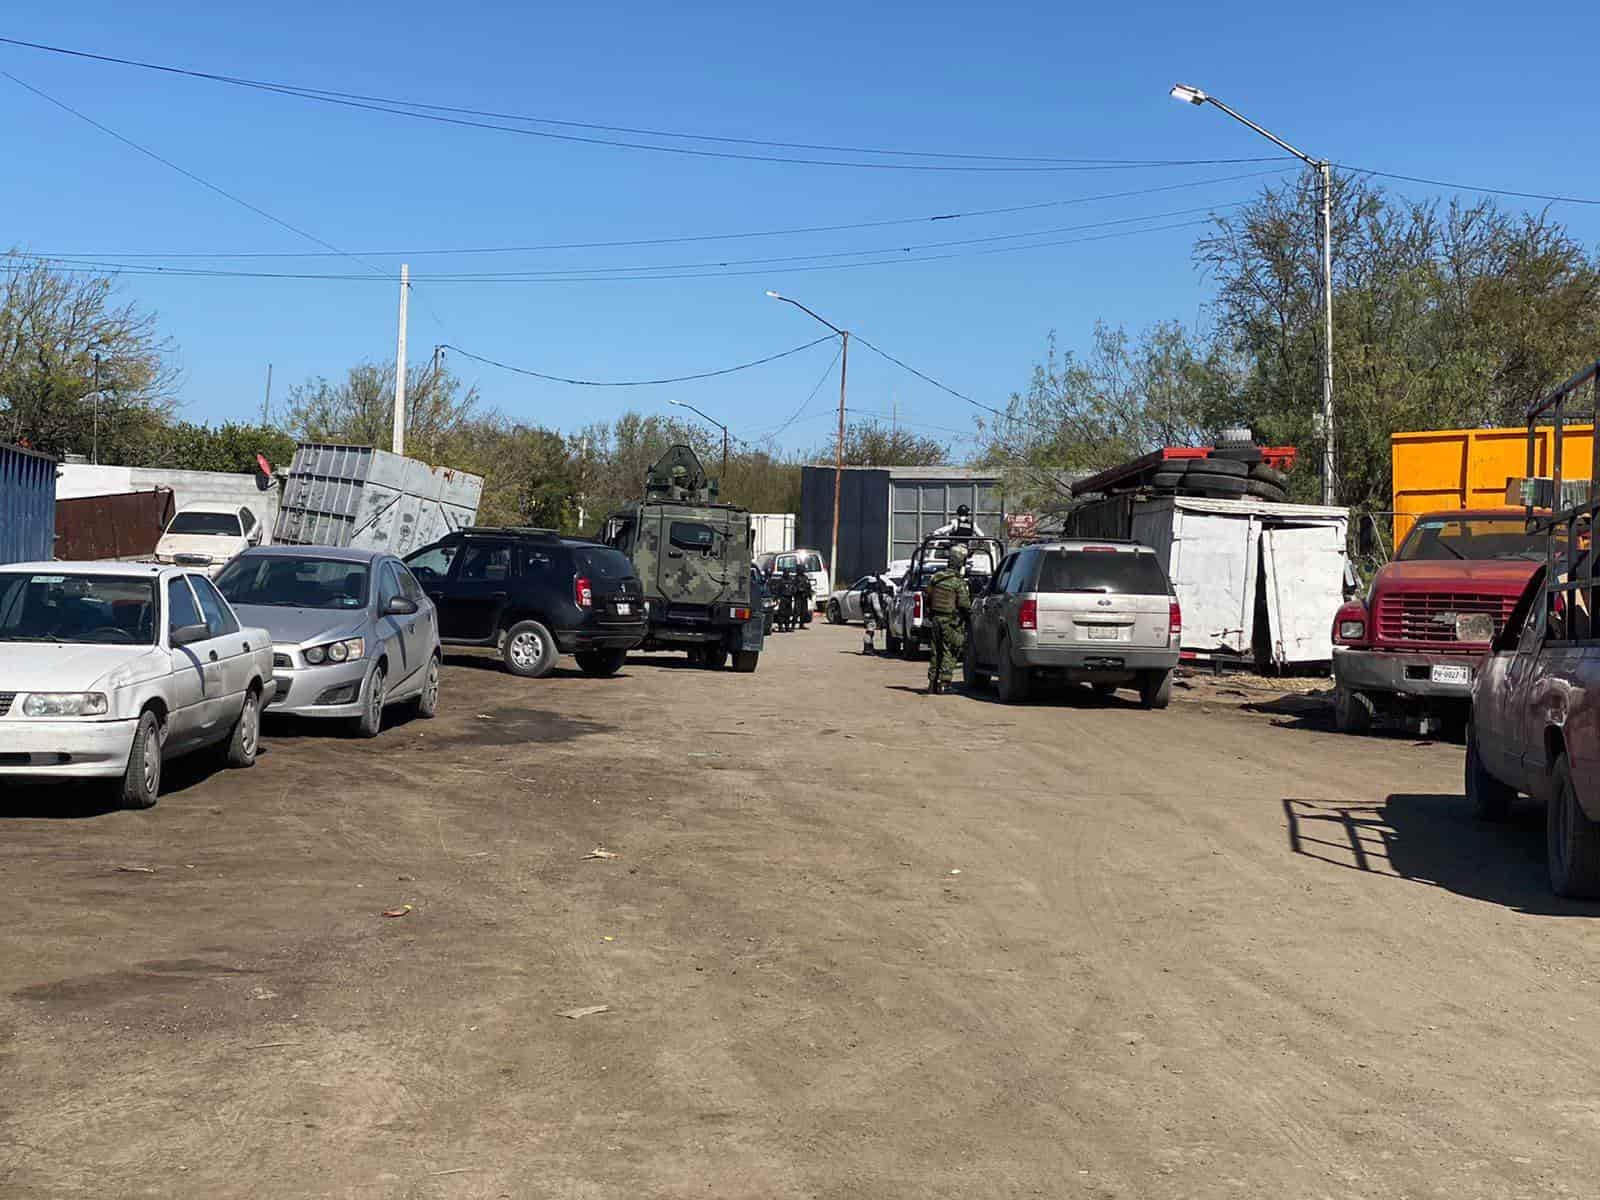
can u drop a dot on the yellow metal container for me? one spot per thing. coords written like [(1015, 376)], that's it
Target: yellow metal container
[(1437, 470)]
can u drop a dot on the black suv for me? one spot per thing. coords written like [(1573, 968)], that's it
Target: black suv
[(535, 595)]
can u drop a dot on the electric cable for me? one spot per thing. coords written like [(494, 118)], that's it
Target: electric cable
[(638, 382)]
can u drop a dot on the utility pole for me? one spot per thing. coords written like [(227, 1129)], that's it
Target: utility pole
[(838, 460), (266, 405), (438, 364), (1325, 169), (583, 470), (97, 410), (400, 365)]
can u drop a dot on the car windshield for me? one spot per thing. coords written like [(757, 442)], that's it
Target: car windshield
[(1109, 571), (809, 561), (226, 524), (1471, 538), (281, 582), (100, 610)]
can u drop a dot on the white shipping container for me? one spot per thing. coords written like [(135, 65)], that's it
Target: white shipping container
[(1235, 563), (372, 499), (771, 533)]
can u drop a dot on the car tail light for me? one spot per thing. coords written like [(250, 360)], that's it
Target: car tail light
[(916, 607), (1028, 615), (1099, 549), (1174, 621), (582, 593)]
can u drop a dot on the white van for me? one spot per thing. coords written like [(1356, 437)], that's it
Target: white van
[(816, 570)]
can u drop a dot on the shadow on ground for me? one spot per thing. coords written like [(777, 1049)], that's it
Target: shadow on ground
[(1435, 840), (78, 799)]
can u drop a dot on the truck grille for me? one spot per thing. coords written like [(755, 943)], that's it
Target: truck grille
[(1430, 618), (5, 702)]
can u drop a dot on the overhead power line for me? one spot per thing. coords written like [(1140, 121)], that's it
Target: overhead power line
[(806, 403), (487, 119), (1469, 187), (638, 382), (180, 255), (926, 378)]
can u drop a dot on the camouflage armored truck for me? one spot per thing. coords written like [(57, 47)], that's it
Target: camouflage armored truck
[(693, 556)]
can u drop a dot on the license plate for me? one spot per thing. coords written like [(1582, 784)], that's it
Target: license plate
[(624, 609), (1445, 673), (1102, 633)]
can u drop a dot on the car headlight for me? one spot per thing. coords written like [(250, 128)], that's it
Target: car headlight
[(336, 652), (65, 704), (1352, 631)]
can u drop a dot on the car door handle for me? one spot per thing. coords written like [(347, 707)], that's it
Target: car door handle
[(674, 553), (411, 628), (247, 645), (213, 656)]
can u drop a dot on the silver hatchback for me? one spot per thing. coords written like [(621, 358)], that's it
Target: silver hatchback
[(1097, 612), (352, 631)]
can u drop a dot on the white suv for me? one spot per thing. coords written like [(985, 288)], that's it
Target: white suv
[(1102, 613)]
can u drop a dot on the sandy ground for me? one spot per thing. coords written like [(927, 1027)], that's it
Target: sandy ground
[(856, 942)]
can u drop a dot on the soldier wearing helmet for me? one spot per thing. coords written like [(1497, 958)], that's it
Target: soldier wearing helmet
[(950, 605)]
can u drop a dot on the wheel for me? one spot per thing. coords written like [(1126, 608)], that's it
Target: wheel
[(1265, 474), (971, 674), (1206, 484), (428, 700), (766, 625), (600, 663), (530, 650), (744, 661), (241, 744), (835, 617), (1236, 452), (1265, 491), (1219, 466), (370, 722), (909, 649), (141, 782), (1155, 689), (891, 644), (1491, 800), (1353, 711), (1166, 479), (1572, 840), (714, 656), (1011, 681)]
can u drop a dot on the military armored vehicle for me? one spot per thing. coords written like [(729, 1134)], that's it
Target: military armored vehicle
[(692, 554)]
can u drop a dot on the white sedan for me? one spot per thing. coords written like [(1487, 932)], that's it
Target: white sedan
[(108, 669), (846, 604)]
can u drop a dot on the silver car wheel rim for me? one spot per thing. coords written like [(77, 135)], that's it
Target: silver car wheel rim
[(431, 688), (250, 721), (152, 761), (376, 701), (526, 650)]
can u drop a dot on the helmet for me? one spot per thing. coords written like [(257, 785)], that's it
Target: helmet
[(957, 556)]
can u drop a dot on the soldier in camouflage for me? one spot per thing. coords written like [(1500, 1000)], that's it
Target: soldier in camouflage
[(950, 603)]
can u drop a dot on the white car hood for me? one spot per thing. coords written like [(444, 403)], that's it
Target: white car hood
[(219, 547), (66, 667)]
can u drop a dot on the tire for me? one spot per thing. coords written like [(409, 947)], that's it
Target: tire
[(766, 625), (428, 698), (1219, 466), (1236, 452), (1167, 479), (600, 663), (1491, 800), (910, 650), (714, 657), (1572, 840), (141, 782), (891, 644), (1228, 487), (1155, 689), (744, 661), (529, 650), (1264, 490), (1268, 474), (245, 738), (835, 617), (1353, 711), (971, 674), (1011, 681), (370, 723), (697, 656)]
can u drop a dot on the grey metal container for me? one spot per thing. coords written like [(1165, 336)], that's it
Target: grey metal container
[(27, 505), (371, 499)]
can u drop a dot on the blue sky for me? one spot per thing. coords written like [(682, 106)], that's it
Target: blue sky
[(1453, 92)]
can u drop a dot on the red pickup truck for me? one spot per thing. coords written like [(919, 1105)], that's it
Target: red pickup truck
[(1415, 644)]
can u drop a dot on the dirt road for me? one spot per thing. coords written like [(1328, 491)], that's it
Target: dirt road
[(856, 943)]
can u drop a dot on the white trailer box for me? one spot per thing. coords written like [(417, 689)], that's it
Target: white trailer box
[(372, 499), (771, 533), (1255, 579)]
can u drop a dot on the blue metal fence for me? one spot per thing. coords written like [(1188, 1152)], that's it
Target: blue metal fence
[(27, 505)]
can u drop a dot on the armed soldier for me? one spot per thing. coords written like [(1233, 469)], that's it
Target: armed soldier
[(950, 603)]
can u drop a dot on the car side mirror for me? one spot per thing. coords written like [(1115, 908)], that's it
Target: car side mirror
[(399, 606), (255, 536), (187, 635)]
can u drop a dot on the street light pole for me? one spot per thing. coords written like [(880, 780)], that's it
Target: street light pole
[(1324, 170), (718, 424), (838, 446)]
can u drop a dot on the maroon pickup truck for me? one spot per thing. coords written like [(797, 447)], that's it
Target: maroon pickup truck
[(1414, 646)]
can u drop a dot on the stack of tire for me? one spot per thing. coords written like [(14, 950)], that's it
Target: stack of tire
[(1231, 470)]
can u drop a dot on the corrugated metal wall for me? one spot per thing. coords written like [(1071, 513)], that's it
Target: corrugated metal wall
[(923, 505), (124, 526), (358, 496), (863, 519), (27, 505)]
